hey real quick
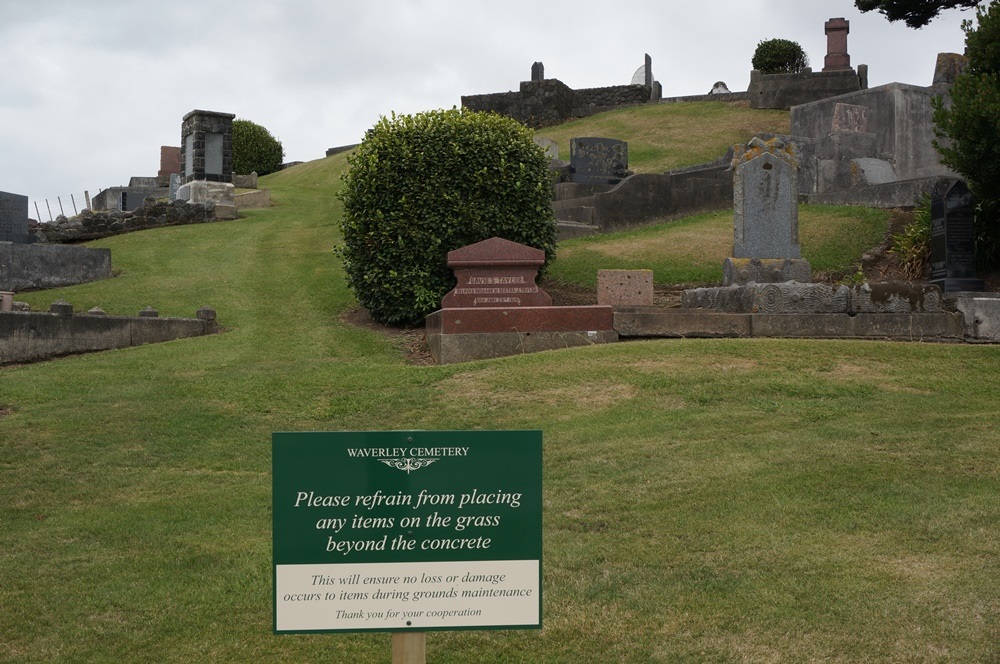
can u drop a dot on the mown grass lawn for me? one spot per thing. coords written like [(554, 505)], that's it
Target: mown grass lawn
[(704, 500)]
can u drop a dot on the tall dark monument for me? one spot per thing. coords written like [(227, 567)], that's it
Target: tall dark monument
[(953, 239)]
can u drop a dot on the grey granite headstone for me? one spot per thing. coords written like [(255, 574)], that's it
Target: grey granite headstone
[(14, 218), (765, 215), (537, 72), (953, 239), (597, 160), (766, 202)]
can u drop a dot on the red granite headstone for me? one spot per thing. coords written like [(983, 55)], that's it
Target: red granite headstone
[(170, 161), (496, 273), (837, 57)]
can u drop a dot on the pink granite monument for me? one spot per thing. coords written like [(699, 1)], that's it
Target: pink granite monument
[(837, 58), (497, 309)]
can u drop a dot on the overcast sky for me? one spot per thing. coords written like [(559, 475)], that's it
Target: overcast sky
[(90, 89)]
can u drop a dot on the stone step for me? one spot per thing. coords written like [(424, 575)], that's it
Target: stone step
[(571, 229), (563, 191), (582, 214)]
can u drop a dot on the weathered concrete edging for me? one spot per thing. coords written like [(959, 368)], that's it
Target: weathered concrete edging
[(640, 322), (29, 336), (37, 266)]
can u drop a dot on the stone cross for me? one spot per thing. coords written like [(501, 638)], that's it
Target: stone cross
[(765, 215)]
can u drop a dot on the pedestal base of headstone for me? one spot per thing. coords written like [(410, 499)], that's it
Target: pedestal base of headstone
[(465, 334), (741, 271), (805, 299), (201, 191), (956, 285)]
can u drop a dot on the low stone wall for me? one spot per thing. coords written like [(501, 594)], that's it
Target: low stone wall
[(245, 181), (251, 200), (615, 95), (787, 90), (536, 104), (33, 336), (90, 225), (38, 266), (550, 102)]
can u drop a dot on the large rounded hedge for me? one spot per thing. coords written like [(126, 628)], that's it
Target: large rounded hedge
[(779, 56), (422, 185), (255, 150)]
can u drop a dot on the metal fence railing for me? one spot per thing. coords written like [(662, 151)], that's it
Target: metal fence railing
[(47, 209)]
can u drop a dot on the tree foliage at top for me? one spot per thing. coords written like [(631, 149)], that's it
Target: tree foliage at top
[(422, 185), (969, 127), (779, 56), (915, 13), (255, 150)]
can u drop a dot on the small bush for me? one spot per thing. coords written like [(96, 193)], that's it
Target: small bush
[(912, 245), (422, 185), (255, 149), (779, 56)]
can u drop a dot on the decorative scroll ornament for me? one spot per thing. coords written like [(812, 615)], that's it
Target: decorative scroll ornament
[(408, 464)]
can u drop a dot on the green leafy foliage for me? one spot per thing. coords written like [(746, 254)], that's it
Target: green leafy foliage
[(912, 245), (255, 149), (422, 185), (915, 13), (968, 127), (779, 56)]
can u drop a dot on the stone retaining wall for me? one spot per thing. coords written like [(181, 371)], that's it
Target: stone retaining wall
[(89, 225)]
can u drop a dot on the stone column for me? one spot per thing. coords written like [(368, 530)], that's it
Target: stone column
[(837, 58), (207, 160)]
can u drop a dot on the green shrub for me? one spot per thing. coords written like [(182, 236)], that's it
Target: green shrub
[(912, 245), (255, 149), (779, 56), (422, 185)]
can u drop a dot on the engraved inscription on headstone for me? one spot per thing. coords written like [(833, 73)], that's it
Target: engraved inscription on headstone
[(598, 160), (213, 153), (850, 117), (14, 218), (953, 241), (496, 273), (189, 155)]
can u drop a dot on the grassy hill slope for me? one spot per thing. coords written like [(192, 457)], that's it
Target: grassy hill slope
[(705, 500)]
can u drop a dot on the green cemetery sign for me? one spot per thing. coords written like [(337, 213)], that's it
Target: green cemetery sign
[(407, 530)]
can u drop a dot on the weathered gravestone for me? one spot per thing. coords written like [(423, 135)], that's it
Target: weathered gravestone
[(765, 215), (14, 218), (953, 240), (597, 160), (551, 147), (537, 72)]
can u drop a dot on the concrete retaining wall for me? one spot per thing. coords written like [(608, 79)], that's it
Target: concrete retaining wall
[(32, 336), (38, 266), (787, 90), (250, 200)]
